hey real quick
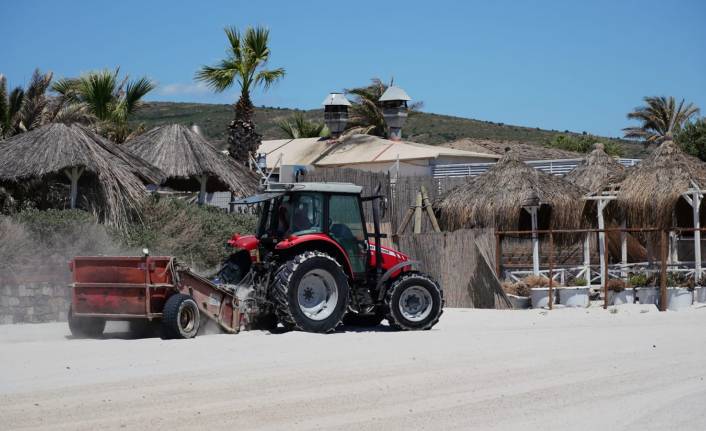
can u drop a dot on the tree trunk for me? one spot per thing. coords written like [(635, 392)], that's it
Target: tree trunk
[(242, 137)]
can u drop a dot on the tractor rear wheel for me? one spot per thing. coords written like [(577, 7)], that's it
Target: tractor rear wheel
[(414, 301), (310, 292), (85, 327), (180, 317)]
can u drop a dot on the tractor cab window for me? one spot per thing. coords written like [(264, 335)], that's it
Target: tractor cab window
[(300, 214), (346, 228)]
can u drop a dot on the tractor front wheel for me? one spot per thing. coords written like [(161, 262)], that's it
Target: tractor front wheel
[(414, 302), (311, 293)]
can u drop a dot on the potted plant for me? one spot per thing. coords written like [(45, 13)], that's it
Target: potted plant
[(518, 293), (619, 293), (680, 291), (539, 290), (576, 294), (645, 291)]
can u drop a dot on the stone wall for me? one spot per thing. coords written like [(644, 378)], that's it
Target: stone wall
[(34, 302)]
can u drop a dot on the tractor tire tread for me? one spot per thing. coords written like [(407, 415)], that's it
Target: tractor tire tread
[(280, 289), (392, 320)]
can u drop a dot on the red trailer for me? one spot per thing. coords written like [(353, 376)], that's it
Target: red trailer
[(146, 289)]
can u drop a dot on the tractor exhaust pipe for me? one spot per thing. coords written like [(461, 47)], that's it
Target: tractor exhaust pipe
[(376, 232)]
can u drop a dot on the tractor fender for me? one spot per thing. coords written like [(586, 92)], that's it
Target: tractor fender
[(298, 244), (386, 276)]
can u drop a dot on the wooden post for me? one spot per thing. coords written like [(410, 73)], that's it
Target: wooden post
[(551, 269), (604, 274), (623, 250), (430, 212), (498, 254), (203, 179), (695, 206), (587, 258), (601, 242), (74, 174), (418, 214), (663, 271), (532, 210)]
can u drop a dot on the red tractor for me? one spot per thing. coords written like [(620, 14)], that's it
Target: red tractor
[(311, 266)]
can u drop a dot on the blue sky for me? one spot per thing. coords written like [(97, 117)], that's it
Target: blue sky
[(552, 64)]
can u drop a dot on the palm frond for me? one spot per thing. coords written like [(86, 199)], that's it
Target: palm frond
[(661, 117), (268, 77)]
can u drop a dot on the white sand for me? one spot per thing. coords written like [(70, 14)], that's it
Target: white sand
[(478, 369)]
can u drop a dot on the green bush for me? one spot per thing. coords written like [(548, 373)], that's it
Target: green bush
[(195, 235), (638, 280), (34, 240)]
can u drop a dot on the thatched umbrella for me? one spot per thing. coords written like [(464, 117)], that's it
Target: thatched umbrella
[(595, 174), (512, 195), (665, 188), (597, 171), (190, 162), (76, 152)]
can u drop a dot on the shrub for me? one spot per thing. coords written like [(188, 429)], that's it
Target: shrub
[(195, 235), (579, 281), (616, 285), (536, 281), (638, 280), (519, 288)]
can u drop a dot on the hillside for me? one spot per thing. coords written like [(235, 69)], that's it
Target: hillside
[(421, 127)]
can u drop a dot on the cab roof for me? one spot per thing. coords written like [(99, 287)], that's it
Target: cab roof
[(314, 187)]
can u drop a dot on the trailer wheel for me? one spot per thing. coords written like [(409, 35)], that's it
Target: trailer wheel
[(414, 302), (311, 293), (180, 317), (85, 327)]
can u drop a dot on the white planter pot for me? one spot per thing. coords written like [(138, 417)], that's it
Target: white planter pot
[(519, 302), (700, 294), (678, 298), (574, 296), (627, 296), (647, 295), (540, 297)]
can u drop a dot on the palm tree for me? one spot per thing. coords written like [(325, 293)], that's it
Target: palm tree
[(102, 96), (365, 113), (299, 127), (24, 109), (661, 118), (245, 64)]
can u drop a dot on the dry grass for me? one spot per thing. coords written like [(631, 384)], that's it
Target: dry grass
[(495, 198), (184, 155), (518, 288)]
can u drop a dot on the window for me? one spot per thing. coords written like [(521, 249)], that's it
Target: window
[(346, 228), (305, 213)]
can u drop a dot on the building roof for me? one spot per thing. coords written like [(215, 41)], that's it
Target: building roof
[(523, 151), (394, 93), (337, 99), (356, 149)]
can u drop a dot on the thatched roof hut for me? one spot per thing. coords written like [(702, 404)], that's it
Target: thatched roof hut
[(495, 199), (190, 162), (55, 150), (651, 193), (597, 171)]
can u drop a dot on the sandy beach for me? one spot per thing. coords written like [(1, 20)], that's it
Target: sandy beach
[(633, 369)]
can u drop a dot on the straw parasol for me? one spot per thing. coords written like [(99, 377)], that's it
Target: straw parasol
[(496, 198), (190, 162), (597, 171), (651, 191), (57, 149)]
